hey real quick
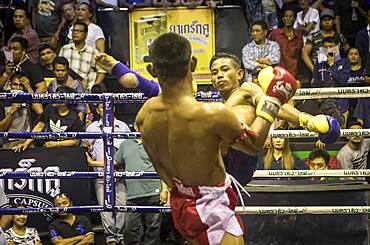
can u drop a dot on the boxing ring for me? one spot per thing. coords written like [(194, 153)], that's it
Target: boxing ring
[(109, 99)]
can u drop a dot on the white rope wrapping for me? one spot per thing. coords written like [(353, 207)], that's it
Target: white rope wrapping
[(284, 210), (311, 173), (306, 134), (337, 92)]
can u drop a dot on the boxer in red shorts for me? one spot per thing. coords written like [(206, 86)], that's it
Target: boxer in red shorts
[(183, 136)]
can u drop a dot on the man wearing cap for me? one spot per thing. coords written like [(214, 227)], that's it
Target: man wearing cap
[(314, 41)]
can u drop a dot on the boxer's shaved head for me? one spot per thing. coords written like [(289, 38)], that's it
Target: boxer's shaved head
[(234, 59), (170, 54)]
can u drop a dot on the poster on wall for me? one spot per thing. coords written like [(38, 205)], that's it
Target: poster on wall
[(197, 25)]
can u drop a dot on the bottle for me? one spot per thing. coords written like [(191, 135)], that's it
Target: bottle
[(354, 14)]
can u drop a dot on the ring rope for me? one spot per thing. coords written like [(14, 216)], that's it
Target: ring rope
[(130, 98), (258, 210), (154, 175), (136, 135)]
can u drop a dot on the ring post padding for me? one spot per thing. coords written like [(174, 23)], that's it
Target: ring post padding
[(108, 126)]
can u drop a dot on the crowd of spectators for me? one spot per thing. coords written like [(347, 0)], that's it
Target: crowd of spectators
[(50, 46)]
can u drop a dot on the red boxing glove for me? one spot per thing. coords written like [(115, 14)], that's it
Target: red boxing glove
[(277, 83)]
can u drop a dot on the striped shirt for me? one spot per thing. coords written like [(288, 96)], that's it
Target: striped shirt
[(251, 52), (83, 62), (351, 159)]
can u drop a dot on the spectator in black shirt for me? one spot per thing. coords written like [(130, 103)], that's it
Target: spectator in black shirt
[(57, 118), (69, 228)]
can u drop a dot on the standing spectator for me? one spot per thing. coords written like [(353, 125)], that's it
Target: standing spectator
[(113, 223), (62, 78), (81, 57), (362, 40), (19, 233), (253, 10), (357, 73), (290, 42), (22, 63), (24, 29), (350, 17), (308, 20), (261, 52), (18, 115), (95, 36), (269, 13), (46, 16), (57, 118), (280, 157), (314, 41), (354, 154), (47, 56), (361, 112), (69, 228), (332, 71), (133, 156), (69, 17)]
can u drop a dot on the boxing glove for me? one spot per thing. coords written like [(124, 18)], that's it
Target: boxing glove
[(327, 127), (277, 83), (279, 86), (148, 87)]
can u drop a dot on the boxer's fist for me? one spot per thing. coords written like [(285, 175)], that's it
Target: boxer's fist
[(277, 83), (327, 127)]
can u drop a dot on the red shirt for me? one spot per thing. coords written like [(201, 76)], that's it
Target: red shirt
[(290, 50)]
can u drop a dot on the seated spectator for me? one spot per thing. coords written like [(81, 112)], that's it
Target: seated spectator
[(21, 62), (357, 73), (113, 223), (354, 154), (22, 23), (18, 115), (47, 56), (81, 56), (95, 36), (290, 41), (57, 118), (318, 159), (308, 20), (62, 78), (261, 52), (19, 233), (69, 17), (143, 227), (332, 71), (280, 157), (69, 228), (361, 112)]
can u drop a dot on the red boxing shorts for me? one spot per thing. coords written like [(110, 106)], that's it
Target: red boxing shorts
[(204, 213)]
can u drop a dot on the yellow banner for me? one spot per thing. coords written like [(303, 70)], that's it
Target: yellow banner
[(197, 25)]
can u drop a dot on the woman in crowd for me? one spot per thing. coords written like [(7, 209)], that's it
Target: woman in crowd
[(19, 233), (279, 157)]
